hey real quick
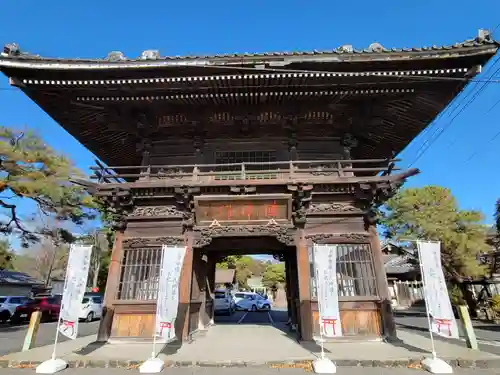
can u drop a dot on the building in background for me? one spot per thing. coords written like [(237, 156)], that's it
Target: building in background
[(18, 284)]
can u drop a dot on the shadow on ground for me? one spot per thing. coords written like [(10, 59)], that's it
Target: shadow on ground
[(7, 327)]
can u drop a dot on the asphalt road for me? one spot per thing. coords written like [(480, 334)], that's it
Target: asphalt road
[(249, 317), (12, 337)]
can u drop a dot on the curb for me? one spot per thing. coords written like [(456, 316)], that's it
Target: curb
[(304, 364)]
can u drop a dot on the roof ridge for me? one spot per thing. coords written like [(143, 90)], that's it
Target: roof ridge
[(13, 51)]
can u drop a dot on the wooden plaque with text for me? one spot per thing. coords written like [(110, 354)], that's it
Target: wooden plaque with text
[(257, 209)]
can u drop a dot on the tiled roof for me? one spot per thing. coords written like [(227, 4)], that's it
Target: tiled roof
[(483, 39), (398, 264), (19, 278)]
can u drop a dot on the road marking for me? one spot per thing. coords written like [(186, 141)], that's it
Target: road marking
[(242, 318), (270, 318)]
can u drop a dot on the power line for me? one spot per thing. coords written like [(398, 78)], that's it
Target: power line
[(427, 144), (476, 95)]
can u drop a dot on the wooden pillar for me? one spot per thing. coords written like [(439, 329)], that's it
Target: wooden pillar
[(203, 319), (389, 327), (196, 292), (112, 285), (294, 291), (182, 320), (211, 263), (303, 268), (288, 288)]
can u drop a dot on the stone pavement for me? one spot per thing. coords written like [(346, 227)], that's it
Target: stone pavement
[(256, 345), (251, 371)]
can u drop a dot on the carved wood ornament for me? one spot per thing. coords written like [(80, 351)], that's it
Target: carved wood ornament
[(334, 207), (134, 242), (205, 235), (154, 211), (336, 238)]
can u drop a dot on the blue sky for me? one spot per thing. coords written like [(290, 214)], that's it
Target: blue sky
[(464, 157)]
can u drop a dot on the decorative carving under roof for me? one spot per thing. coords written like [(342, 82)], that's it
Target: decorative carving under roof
[(334, 238), (205, 235)]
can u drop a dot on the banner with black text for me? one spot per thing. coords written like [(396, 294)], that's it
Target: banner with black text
[(437, 300), (325, 267), (75, 285), (168, 290)]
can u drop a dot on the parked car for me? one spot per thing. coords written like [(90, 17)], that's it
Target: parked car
[(224, 302), (91, 307), (8, 305), (250, 301), (50, 307)]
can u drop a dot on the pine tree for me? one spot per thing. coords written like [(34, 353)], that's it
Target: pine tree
[(33, 171), (432, 213)]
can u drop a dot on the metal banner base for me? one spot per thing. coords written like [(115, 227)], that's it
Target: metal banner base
[(51, 366), (324, 366), (152, 366), (436, 366)]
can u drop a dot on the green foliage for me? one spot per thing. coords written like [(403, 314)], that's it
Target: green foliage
[(34, 171), (6, 256), (432, 213), (274, 275), (456, 295), (495, 304), (245, 267)]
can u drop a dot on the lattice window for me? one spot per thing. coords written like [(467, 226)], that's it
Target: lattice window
[(355, 271), (140, 272), (251, 171)]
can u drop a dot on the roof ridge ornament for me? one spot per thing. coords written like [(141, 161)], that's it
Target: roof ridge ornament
[(376, 47), (11, 49), (150, 54), (346, 48), (483, 35), (116, 56)]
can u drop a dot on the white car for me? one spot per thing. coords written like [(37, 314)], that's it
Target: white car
[(8, 305), (251, 302), (91, 308), (224, 301)]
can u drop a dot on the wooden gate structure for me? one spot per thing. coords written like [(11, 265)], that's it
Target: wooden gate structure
[(267, 152)]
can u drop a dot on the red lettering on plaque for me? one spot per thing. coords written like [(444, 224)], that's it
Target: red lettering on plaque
[(271, 210)]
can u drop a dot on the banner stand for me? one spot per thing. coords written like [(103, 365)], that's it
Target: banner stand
[(75, 283), (432, 364), (322, 365), (54, 364), (154, 364), (167, 302)]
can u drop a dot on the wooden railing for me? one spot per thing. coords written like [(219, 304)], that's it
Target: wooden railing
[(280, 170)]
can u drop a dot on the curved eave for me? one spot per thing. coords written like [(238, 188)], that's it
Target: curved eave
[(276, 60)]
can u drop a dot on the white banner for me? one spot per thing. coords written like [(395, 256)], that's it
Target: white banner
[(75, 285), (168, 290), (325, 266), (437, 300)]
